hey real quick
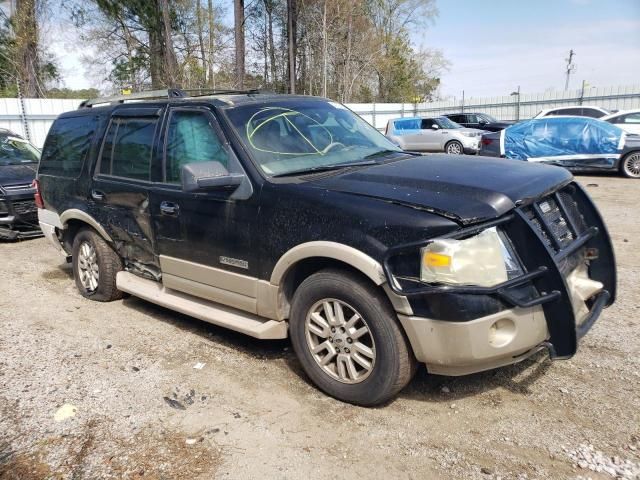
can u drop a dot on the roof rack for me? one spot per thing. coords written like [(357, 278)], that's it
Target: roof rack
[(164, 94)]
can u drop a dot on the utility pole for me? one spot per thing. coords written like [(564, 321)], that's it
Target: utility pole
[(462, 101), (570, 68)]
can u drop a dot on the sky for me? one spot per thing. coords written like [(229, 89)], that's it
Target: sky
[(493, 46)]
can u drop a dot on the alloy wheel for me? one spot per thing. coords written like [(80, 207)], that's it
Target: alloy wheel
[(454, 148), (88, 269), (632, 165), (340, 341)]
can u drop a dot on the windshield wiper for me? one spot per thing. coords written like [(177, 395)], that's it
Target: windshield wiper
[(383, 152), (323, 168)]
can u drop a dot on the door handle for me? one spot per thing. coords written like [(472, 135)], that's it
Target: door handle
[(97, 195), (169, 208)]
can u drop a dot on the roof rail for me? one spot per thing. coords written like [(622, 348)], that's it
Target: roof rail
[(166, 94), (146, 95)]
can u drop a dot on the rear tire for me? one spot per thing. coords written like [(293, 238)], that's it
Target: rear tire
[(454, 147), (630, 165), (95, 266), (348, 340)]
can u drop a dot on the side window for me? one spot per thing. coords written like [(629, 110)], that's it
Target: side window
[(67, 144), (630, 118), (457, 118), (191, 138), (571, 111), (128, 146), (592, 112), (472, 118), (427, 123)]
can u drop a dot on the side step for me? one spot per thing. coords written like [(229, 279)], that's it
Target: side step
[(210, 312)]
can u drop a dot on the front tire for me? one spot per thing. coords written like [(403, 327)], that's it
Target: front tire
[(348, 340), (95, 266), (630, 165), (454, 147)]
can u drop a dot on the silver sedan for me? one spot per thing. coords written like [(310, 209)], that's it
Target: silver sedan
[(436, 134)]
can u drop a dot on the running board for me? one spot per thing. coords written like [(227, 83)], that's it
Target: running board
[(210, 312)]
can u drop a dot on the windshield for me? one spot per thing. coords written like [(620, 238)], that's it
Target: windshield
[(305, 134), (444, 122), (15, 151)]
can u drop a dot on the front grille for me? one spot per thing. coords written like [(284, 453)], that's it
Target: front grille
[(17, 188), (557, 218), (26, 210)]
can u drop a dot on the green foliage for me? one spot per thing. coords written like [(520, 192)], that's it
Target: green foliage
[(70, 93)]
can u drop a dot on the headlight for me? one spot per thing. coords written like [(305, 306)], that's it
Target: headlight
[(485, 260)]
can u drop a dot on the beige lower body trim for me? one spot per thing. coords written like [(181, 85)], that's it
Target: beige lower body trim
[(223, 316), (460, 348), (222, 286)]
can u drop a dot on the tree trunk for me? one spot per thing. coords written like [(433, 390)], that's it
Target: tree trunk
[(268, 6), (238, 15), (211, 79), (26, 32), (324, 49), (169, 54), (201, 43), (291, 43)]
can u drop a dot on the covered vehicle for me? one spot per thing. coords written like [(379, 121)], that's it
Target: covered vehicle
[(18, 165), (576, 143), (437, 134)]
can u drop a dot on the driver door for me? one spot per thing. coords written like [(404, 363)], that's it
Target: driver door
[(204, 239), (430, 137)]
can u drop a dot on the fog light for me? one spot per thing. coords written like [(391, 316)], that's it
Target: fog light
[(502, 332)]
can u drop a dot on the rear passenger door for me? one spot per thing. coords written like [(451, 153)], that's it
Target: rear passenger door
[(205, 239), (119, 195)]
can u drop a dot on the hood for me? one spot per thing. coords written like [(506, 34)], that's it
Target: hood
[(17, 174), (465, 189)]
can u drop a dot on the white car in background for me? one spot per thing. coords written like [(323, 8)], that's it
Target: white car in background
[(434, 134), (575, 111), (628, 120)]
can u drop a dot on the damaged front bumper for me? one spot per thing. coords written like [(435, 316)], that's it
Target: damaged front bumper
[(18, 217), (569, 278)]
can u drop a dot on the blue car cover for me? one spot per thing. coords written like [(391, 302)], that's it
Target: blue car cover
[(558, 139)]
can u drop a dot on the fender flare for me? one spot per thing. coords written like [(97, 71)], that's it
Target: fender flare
[(75, 214), (323, 249)]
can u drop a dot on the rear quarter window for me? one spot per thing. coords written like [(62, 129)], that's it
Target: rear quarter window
[(66, 146)]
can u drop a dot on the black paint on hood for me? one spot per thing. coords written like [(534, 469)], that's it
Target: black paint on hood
[(17, 174), (464, 188)]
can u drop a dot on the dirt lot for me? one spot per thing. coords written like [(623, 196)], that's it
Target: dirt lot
[(125, 372)]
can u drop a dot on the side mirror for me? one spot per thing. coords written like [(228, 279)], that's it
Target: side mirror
[(435, 127), (482, 122), (203, 176)]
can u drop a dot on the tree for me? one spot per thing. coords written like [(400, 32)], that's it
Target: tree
[(238, 16), (292, 43)]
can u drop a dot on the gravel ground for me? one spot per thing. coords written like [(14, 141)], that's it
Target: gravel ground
[(90, 390)]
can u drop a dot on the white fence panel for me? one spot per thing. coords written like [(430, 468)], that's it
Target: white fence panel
[(34, 121)]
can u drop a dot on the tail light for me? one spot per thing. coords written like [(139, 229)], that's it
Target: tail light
[(36, 195), (487, 141)]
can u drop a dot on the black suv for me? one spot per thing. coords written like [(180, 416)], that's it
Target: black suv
[(481, 121), (282, 215), (18, 164)]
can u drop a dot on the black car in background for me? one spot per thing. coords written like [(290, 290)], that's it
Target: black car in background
[(18, 165), (481, 121)]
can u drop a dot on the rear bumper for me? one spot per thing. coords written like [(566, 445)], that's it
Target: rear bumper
[(49, 224), (460, 348)]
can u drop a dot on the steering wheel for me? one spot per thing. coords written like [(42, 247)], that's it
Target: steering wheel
[(333, 145)]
